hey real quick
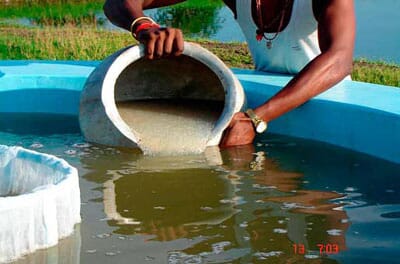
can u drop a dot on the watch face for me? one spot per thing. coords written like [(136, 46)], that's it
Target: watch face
[(261, 127)]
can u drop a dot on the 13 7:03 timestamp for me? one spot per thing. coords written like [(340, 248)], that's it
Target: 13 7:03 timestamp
[(323, 249)]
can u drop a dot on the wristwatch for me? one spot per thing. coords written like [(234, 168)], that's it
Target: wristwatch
[(259, 124)]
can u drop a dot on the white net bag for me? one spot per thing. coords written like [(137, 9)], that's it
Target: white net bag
[(39, 201)]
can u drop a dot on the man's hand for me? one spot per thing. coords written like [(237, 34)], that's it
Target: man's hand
[(158, 41), (161, 41), (239, 132)]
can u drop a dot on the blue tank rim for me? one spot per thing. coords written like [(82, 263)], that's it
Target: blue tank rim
[(360, 116)]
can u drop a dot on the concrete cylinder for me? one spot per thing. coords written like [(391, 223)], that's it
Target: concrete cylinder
[(127, 76)]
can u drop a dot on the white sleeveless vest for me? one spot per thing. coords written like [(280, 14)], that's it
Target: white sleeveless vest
[(292, 49)]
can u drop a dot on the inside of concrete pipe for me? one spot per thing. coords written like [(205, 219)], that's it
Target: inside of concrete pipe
[(171, 104)]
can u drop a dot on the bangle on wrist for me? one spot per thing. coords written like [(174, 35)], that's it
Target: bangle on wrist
[(144, 26), (133, 24)]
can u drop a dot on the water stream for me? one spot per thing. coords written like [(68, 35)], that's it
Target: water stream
[(185, 125)]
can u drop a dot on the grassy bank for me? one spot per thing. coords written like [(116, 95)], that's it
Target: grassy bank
[(73, 43), (53, 12)]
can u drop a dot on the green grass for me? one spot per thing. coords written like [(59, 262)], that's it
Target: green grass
[(87, 43), (54, 12), (201, 3), (62, 43), (376, 72)]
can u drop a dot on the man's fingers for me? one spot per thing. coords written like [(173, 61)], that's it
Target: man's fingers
[(162, 42), (178, 43), (159, 48), (169, 41), (150, 47)]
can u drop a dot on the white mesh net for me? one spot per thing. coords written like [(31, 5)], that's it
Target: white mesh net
[(39, 201)]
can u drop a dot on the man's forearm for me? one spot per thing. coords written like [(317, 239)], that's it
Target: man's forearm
[(122, 12), (319, 75)]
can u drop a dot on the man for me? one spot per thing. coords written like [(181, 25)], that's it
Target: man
[(312, 39)]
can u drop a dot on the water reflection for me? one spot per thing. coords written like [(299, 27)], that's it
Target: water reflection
[(67, 250), (239, 205), (281, 213), (200, 21)]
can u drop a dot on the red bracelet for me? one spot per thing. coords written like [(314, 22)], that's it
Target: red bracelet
[(144, 26)]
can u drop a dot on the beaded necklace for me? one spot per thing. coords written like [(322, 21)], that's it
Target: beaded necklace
[(260, 32)]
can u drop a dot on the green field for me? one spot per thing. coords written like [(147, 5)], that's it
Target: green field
[(42, 12)]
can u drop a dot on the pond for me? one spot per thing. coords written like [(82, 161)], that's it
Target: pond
[(377, 38), (281, 200)]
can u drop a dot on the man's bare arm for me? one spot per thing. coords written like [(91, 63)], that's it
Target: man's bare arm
[(336, 29)]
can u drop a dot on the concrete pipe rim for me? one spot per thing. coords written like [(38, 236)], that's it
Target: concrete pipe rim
[(225, 75)]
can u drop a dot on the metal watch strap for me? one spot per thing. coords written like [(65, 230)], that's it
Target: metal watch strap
[(259, 124), (254, 118)]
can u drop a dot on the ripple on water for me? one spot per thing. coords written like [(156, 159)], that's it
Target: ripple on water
[(36, 145), (81, 145), (350, 189), (289, 206), (70, 152), (265, 255), (226, 201), (177, 257), (244, 224), (104, 235), (311, 255), (280, 231), (219, 247), (334, 232)]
